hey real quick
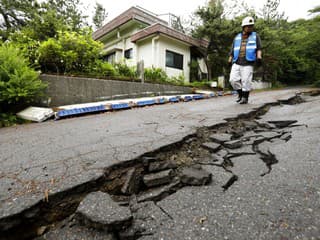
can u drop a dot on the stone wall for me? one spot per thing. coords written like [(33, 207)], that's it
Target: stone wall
[(63, 90)]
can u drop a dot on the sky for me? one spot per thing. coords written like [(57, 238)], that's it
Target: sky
[(293, 9)]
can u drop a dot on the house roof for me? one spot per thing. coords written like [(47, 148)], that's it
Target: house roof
[(159, 28), (133, 13)]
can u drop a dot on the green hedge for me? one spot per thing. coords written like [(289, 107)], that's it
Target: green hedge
[(19, 84)]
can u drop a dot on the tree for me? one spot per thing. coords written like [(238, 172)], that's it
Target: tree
[(68, 11), (45, 26), (15, 14), (236, 8), (289, 48), (49, 18), (315, 10), (304, 58), (42, 19), (176, 23), (270, 11), (216, 28), (270, 24), (99, 16)]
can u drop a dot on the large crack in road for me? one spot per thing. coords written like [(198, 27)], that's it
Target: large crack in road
[(133, 188)]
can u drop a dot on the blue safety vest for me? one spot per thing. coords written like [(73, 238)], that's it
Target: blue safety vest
[(250, 49)]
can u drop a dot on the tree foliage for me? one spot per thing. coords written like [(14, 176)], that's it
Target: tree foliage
[(216, 28), (176, 23), (290, 52), (303, 61), (69, 52), (99, 16), (50, 18), (42, 18), (14, 14), (270, 11), (68, 11), (315, 10)]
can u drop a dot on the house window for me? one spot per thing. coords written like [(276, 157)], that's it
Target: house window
[(111, 57), (174, 60), (128, 54)]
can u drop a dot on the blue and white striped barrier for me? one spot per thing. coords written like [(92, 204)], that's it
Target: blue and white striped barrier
[(146, 103), (173, 99), (186, 98), (76, 111), (198, 96), (118, 106), (161, 100)]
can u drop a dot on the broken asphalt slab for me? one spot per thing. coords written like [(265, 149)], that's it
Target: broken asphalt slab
[(43, 163)]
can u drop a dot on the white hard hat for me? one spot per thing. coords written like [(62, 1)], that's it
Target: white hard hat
[(247, 21)]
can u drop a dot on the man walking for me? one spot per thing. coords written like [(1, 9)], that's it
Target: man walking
[(246, 50)]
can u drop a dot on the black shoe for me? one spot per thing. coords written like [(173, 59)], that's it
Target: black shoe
[(245, 98), (239, 95)]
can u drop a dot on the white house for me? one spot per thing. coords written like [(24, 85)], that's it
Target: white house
[(138, 34)]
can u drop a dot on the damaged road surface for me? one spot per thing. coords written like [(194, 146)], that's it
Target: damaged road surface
[(211, 169)]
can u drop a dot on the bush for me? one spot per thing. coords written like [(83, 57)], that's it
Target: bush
[(102, 68), (177, 80), (27, 45), (19, 84), (155, 74), (201, 84), (50, 56), (9, 119), (71, 52), (125, 71)]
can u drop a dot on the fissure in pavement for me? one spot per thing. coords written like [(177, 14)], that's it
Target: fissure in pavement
[(118, 205)]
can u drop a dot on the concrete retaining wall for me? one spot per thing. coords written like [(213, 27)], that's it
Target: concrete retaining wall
[(64, 90)]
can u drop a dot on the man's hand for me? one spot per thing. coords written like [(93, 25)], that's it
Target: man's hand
[(259, 62)]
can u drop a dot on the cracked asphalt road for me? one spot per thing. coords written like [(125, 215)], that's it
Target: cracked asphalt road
[(47, 158), (284, 204)]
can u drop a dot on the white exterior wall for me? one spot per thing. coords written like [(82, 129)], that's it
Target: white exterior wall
[(177, 47), (144, 52), (121, 41), (153, 52)]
